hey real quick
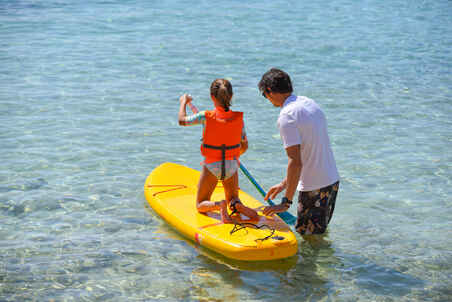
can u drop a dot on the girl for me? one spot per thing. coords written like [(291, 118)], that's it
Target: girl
[(224, 140)]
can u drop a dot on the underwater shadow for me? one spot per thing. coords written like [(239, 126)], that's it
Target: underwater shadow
[(312, 273), (321, 263)]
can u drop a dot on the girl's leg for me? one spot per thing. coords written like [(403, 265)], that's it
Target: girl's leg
[(231, 188), (206, 186)]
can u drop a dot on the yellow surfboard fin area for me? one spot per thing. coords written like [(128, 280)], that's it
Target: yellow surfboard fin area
[(170, 190)]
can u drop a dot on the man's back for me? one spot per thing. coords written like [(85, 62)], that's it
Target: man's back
[(302, 121)]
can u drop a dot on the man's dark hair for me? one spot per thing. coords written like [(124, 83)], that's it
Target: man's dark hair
[(277, 80)]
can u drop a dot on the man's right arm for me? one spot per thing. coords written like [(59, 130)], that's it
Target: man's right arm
[(294, 167)]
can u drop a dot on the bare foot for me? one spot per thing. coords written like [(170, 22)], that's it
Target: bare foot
[(250, 213), (225, 218)]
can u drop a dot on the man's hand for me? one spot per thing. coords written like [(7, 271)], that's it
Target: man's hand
[(270, 210), (275, 190)]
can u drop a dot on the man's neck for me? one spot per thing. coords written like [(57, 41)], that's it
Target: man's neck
[(282, 97)]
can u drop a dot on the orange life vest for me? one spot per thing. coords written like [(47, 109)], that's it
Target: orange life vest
[(222, 135)]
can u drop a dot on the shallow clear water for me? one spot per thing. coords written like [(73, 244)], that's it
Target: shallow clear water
[(88, 106)]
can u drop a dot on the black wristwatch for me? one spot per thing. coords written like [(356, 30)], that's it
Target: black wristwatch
[(285, 201)]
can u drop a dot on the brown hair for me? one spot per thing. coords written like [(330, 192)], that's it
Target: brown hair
[(276, 80), (221, 89)]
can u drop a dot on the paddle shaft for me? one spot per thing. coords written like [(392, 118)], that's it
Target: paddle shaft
[(286, 216), (256, 185)]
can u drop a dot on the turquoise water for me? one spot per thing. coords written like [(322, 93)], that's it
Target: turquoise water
[(88, 107)]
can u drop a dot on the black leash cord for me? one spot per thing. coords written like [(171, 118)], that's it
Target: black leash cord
[(239, 226)]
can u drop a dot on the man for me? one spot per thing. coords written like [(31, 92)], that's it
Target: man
[(311, 167)]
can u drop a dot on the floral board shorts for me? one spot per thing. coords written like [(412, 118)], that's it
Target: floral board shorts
[(315, 209)]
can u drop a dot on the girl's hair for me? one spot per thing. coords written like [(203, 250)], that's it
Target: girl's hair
[(221, 89)]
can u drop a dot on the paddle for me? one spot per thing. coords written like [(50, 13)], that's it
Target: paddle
[(286, 216), (192, 107)]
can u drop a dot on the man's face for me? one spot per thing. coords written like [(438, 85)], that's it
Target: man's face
[(269, 96)]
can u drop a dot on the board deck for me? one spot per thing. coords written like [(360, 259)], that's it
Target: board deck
[(170, 190)]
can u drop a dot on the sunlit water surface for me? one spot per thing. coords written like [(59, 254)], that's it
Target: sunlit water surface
[(88, 107)]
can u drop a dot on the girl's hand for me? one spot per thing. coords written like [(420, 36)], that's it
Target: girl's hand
[(185, 99)]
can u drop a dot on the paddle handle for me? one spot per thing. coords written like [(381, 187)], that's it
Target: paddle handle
[(193, 107)]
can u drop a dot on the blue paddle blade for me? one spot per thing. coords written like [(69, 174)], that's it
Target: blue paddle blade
[(286, 216)]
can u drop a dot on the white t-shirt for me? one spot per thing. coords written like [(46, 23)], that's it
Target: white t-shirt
[(302, 122)]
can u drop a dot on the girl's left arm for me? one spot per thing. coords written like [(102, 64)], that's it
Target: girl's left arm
[(243, 142)]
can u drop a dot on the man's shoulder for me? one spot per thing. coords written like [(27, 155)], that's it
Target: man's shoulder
[(303, 103), (304, 100), (294, 104)]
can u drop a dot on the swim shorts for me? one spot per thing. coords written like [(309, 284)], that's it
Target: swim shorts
[(315, 209), (231, 167)]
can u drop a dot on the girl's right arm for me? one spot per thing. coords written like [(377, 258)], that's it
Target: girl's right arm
[(184, 100), (189, 120)]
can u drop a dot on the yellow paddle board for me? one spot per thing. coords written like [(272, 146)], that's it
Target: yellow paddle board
[(170, 190)]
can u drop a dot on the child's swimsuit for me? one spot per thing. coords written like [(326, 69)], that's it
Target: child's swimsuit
[(231, 167)]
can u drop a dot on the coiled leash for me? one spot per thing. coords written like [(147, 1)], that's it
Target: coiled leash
[(239, 226), (242, 225)]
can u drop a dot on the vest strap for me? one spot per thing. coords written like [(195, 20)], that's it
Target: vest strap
[(223, 149)]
